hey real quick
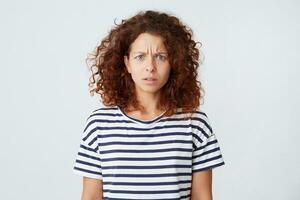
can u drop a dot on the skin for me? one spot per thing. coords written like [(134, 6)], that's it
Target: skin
[(148, 58), (92, 189), (202, 185)]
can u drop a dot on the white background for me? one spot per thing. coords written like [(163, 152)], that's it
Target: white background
[(250, 75)]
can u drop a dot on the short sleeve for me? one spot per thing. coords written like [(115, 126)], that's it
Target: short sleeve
[(88, 162), (206, 150)]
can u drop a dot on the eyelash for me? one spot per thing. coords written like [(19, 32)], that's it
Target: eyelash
[(161, 56)]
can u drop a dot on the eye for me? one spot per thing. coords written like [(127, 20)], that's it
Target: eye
[(139, 57), (161, 57)]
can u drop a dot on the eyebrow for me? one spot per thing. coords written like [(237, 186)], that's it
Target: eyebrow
[(161, 52)]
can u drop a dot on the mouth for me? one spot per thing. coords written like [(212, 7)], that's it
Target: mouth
[(150, 79)]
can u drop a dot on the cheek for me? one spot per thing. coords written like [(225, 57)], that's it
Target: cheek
[(166, 72), (135, 74), (136, 71)]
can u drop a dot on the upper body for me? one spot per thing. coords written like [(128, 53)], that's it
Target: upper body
[(141, 144), (159, 158)]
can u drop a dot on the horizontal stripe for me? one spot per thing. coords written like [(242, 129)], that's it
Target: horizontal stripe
[(88, 171), (180, 198), (207, 160), (147, 143), (147, 192), (89, 156), (124, 128), (88, 148), (147, 184), (87, 163), (147, 175), (205, 146), (207, 152), (208, 167), (145, 151), (145, 129), (146, 159), (147, 167), (130, 122), (162, 134)]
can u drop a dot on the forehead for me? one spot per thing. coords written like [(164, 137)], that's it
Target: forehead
[(146, 41)]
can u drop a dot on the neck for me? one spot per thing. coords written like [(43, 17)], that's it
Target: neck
[(150, 102)]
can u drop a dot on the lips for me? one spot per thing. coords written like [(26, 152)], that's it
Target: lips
[(150, 79)]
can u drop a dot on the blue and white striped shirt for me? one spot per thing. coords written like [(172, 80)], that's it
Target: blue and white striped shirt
[(146, 159)]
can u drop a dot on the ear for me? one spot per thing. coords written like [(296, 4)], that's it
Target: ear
[(126, 61)]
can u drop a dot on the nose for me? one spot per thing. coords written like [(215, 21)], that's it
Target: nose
[(150, 65)]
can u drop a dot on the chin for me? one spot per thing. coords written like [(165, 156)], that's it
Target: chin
[(150, 89)]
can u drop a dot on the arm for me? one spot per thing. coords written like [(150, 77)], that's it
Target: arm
[(92, 189), (202, 185)]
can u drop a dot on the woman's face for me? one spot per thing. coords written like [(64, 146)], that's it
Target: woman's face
[(148, 63)]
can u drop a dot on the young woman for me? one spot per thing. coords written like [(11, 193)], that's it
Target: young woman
[(150, 140)]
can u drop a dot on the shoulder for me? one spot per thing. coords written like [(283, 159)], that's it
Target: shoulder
[(102, 112), (200, 118), (99, 115), (201, 126)]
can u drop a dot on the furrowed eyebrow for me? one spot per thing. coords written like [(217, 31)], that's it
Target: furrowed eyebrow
[(140, 52)]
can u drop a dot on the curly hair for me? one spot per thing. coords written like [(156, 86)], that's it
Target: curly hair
[(111, 80)]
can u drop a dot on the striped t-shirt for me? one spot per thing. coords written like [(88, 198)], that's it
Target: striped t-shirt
[(146, 159)]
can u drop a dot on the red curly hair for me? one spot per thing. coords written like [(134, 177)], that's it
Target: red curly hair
[(111, 80)]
